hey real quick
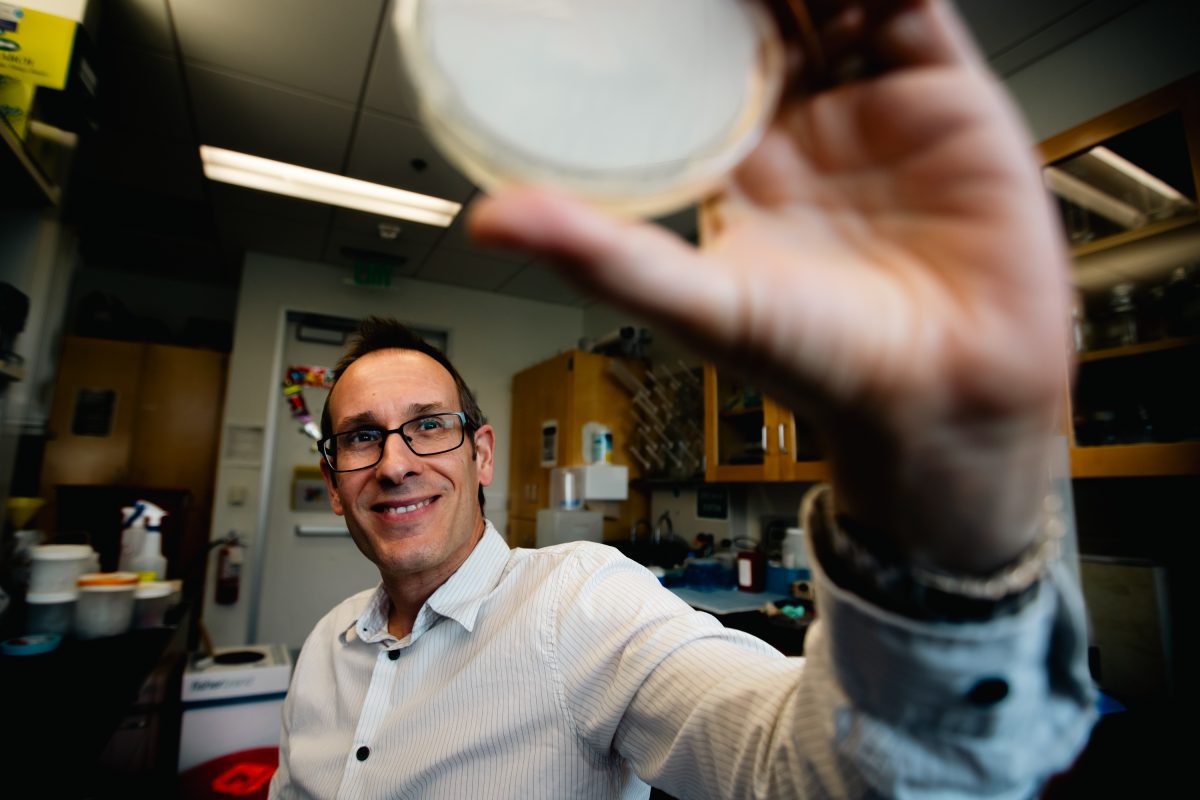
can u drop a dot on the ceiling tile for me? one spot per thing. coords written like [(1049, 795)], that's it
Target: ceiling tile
[(236, 200), (148, 98), (169, 171), (143, 23), (318, 46), (385, 149), (368, 225), (464, 268), (388, 89), (270, 234), (351, 249), (538, 283), (253, 118)]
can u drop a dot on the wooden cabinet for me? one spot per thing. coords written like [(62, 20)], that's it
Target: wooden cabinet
[(749, 437), (568, 390), (138, 416), (1127, 184)]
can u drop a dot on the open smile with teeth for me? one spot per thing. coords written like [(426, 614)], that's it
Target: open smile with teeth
[(398, 510)]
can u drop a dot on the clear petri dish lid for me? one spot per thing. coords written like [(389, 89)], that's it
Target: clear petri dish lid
[(639, 106)]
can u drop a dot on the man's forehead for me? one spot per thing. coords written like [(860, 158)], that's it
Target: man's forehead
[(386, 380)]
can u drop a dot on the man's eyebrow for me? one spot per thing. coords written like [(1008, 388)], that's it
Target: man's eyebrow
[(367, 419), (364, 419)]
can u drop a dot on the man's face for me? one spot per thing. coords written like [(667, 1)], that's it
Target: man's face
[(385, 389)]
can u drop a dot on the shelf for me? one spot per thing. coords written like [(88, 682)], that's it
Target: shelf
[(1136, 460), (30, 183), (1139, 349), (741, 413), (1127, 237)]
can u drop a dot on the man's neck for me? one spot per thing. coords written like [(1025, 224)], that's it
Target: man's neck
[(409, 592)]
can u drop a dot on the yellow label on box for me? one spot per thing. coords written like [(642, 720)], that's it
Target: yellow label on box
[(16, 98), (35, 47)]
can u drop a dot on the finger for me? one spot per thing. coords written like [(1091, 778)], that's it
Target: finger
[(925, 34), (639, 267)]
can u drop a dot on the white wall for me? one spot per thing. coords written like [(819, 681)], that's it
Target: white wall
[(491, 338)]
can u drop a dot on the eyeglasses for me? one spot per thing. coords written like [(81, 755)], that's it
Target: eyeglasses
[(430, 435)]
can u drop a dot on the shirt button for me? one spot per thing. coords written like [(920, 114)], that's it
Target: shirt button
[(393, 654), (362, 753), (988, 692)]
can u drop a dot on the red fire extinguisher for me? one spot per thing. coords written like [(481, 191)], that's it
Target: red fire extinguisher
[(229, 571)]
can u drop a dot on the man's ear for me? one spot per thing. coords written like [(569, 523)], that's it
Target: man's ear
[(335, 499), (485, 452)]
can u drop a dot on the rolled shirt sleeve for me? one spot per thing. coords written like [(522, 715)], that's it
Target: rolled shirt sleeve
[(882, 705)]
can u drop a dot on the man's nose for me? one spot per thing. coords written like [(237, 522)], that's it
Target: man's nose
[(398, 460)]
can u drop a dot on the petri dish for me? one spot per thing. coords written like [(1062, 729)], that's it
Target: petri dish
[(638, 106)]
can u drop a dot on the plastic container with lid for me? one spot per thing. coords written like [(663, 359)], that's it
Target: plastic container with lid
[(105, 604), (151, 601), (54, 568), (49, 612)]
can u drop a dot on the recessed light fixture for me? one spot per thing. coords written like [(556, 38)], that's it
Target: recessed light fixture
[(253, 172)]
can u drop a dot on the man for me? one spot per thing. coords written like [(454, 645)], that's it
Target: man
[(887, 262)]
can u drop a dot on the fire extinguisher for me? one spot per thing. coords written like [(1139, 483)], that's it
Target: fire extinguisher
[(229, 571)]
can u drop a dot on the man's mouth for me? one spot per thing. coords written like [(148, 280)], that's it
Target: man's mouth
[(399, 509)]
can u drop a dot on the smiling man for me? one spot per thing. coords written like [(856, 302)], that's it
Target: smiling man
[(397, 468), (887, 262)]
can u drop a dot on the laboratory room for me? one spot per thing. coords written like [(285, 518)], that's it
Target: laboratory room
[(794, 398)]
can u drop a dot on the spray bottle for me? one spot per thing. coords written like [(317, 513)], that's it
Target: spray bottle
[(141, 541)]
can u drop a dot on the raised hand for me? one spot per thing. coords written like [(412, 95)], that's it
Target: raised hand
[(886, 262)]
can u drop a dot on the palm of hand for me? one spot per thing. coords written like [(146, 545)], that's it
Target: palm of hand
[(890, 240)]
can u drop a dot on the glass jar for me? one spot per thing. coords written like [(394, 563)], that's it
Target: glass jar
[(1121, 324)]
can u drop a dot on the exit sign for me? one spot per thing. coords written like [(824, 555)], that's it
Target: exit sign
[(372, 273)]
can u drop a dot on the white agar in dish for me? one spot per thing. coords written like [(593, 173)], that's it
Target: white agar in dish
[(639, 106)]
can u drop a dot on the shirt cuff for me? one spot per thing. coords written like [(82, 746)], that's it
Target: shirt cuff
[(995, 706)]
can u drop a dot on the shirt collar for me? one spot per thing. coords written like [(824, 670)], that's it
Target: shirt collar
[(459, 598)]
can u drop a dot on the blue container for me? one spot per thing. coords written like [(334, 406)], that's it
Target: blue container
[(779, 579)]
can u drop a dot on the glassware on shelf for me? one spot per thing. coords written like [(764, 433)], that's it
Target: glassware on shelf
[(1121, 324)]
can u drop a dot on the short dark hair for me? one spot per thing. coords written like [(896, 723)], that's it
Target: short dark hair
[(383, 333)]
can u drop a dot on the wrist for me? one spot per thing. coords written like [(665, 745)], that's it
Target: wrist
[(961, 499), (869, 565)]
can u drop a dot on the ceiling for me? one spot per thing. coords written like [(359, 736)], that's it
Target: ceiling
[(319, 84)]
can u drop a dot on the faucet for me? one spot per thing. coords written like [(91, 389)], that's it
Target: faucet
[(633, 529), (663, 519)]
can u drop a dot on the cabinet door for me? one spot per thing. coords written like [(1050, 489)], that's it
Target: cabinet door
[(796, 446), (735, 430), (179, 415), (522, 532), (93, 417), (749, 437), (539, 396)]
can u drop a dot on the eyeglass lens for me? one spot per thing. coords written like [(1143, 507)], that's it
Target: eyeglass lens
[(425, 436)]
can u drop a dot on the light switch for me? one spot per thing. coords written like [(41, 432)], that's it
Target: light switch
[(237, 495)]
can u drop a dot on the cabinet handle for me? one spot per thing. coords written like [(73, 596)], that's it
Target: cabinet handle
[(782, 442), (764, 438)]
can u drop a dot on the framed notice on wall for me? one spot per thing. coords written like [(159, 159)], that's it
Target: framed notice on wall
[(549, 443)]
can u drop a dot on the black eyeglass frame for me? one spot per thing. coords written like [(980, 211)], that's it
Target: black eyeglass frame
[(326, 444)]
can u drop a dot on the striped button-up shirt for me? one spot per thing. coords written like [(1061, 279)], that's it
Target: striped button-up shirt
[(569, 672)]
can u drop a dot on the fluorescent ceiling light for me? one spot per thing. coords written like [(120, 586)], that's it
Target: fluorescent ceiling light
[(1084, 194), (266, 175), (1131, 170)]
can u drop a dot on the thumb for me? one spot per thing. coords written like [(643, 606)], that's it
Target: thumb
[(640, 267)]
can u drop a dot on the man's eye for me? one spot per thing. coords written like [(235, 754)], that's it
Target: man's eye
[(362, 437), (429, 424)]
